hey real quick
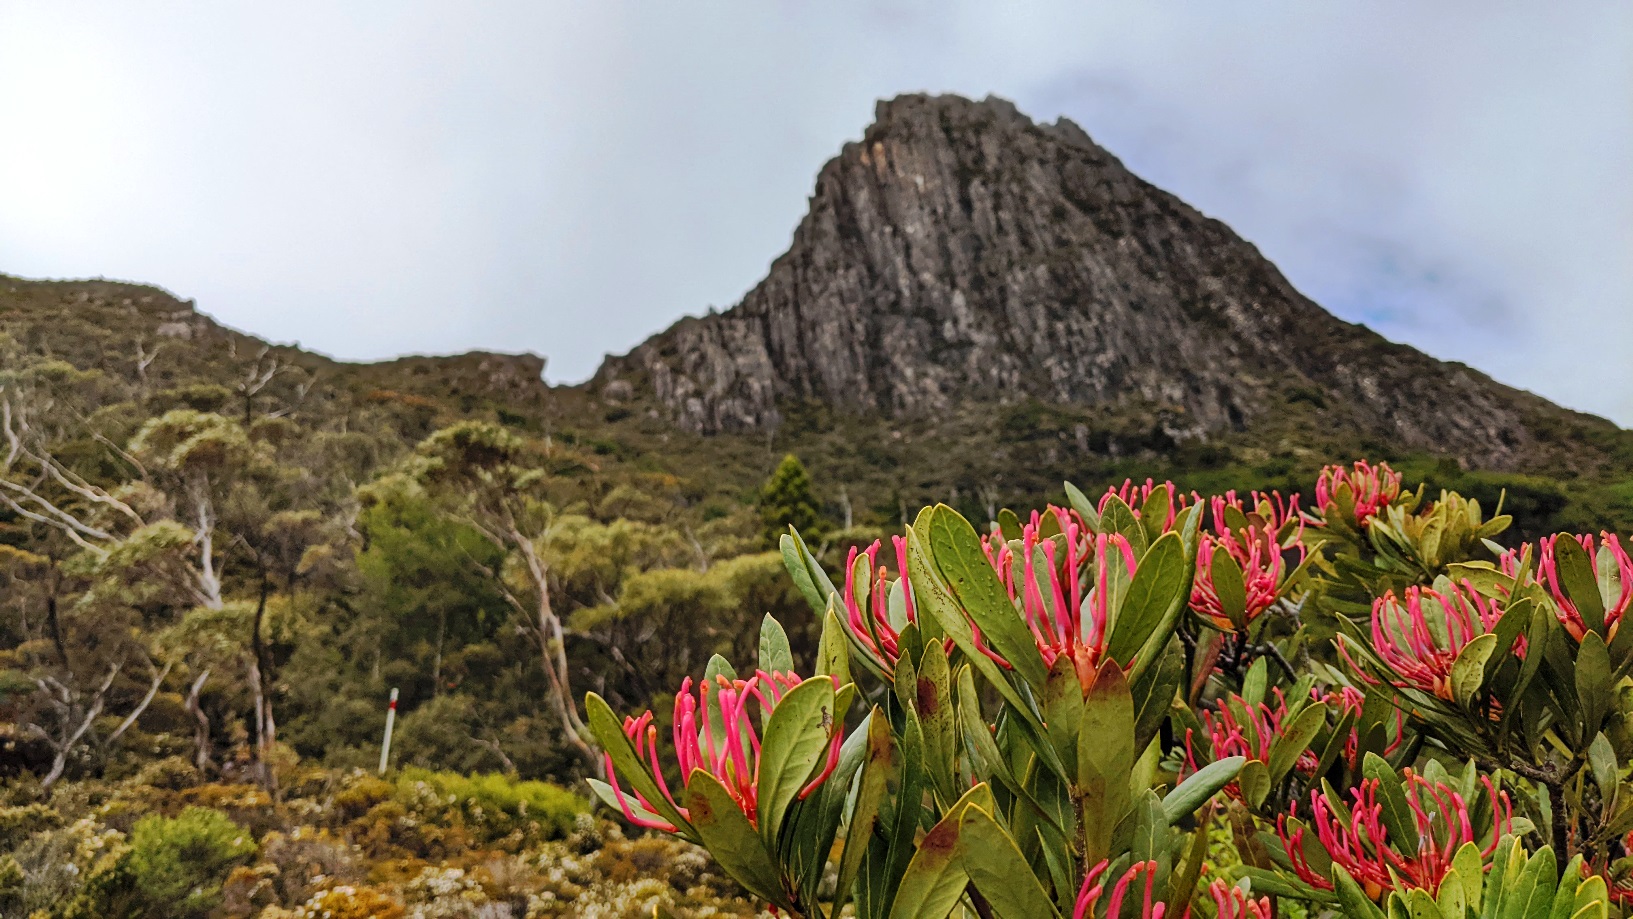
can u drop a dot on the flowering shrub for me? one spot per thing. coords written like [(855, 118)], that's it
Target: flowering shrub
[(1056, 714)]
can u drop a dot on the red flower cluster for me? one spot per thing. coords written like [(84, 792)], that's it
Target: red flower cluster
[(713, 731), (874, 628), (1421, 636), (1088, 896), (1234, 903), (1263, 571), (1136, 495), (1240, 729), (1270, 512), (1061, 585), (1615, 598), (1349, 701), (1356, 839), (1372, 488)]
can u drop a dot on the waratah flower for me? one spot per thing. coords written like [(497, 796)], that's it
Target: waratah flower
[(1270, 512), (1357, 840), (1088, 896), (1613, 573), (714, 730), (1240, 729), (1062, 585), (1618, 879), (1234, 903), (871, 617), (1264, 569), (1371, 489), (1136, 495), (1349, 701), (1420, 637)]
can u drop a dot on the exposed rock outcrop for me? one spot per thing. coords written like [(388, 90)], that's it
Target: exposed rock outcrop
[(962, 251)]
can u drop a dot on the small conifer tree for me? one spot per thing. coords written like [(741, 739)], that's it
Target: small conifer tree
[(787, 500)]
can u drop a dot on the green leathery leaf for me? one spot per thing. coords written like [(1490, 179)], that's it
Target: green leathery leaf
[(1602, 760), (1062, 704), (1080, 502), (1257, 679), (933, 702), (1533, 892), (1162, 584), (1576, 576), (1118, 517), (731, 839), (1536, 636), (1154, 512), (833, 655), (998, 870), (935, 877), (820, 581), (1351, 898), (1254, 781), (1182, 882), (1009, 525), (1592, 899), (1471, 874), (1469, 670), (1509, 628), (1419, 905), (1155, 692), (1200, 787), (801, 575), (775, 656), (1593, 689), (609, 733), (956, 548), (1295, 739), (1105, 759), (796, 741), (1229, 587), (1452, 899), (1397, 813), (1565, 897), (871, 785)]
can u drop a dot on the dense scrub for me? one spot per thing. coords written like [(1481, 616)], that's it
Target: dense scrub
[(1158, 704)]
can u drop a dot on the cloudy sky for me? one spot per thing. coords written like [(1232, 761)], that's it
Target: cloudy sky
[(371, 179)]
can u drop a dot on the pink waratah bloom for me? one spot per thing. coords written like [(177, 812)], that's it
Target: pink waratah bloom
[(1234, 903), (1135, 495), (1363, 847), (1349, 701), (1088, 896), (1060, 624), (1274, 511), (1232, 734), (1620, 888), (1263, 570), (1421, 636), (730, 753), (1616, 596), (1373, 488)]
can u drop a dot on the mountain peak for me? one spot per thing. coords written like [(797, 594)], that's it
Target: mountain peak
[(961, 251)]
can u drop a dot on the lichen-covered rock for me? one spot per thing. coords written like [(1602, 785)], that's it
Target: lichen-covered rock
[(961, 251)]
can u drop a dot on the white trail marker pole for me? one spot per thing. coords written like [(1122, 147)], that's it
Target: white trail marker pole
[(391, 719)]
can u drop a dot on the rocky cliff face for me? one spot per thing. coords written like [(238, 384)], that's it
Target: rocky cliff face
[(961, 251)]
